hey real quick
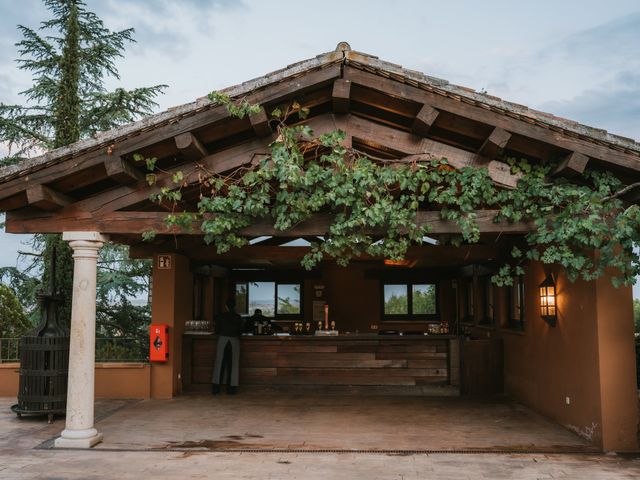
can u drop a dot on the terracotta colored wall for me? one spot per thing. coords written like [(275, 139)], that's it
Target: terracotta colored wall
[(113, 380), (588, 357), (123, 380), (9, 379), (171, 304)]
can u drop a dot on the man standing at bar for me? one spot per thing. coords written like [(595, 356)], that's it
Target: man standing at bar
[(229, 329)]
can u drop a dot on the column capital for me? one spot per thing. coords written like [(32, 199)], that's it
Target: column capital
[(84, 236)]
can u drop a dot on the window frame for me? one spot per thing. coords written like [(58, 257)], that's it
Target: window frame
[(516, 320), (276, 315), (409, 316), (489, 303)]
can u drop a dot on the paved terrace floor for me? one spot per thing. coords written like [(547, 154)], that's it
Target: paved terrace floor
[(308, 436)]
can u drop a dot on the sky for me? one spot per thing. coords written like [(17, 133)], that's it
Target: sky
[(576, 59)]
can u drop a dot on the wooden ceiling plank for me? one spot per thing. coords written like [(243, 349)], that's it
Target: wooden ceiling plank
[(495, 144), (496, 119), (190, 147), (571, 166), (46, 198), (424, 120), (260, 123), (130, 222), (341, 95), (122, 171)]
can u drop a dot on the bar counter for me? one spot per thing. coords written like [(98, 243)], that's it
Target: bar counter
[(343, 360)]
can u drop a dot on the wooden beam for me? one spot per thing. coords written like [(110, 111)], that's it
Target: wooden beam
[(122, 171), (489, 117), (46, 198), (131, 222), (272, 93), (495, 144), (190, 147), (434, 254), (571, 166), (260, 123), (421, 149), (341, 95), (424, 120), (127, 195)]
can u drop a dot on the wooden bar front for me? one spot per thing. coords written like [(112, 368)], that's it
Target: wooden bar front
[(347, 360)]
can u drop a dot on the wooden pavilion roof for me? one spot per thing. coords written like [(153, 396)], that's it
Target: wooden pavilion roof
[(385, 110)]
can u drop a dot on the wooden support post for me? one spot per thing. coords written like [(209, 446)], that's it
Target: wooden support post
[(572, 165), (341, 95), (46, 198), (260, 123), (495, 144), (424, 120), (190, 146), (122, 171)]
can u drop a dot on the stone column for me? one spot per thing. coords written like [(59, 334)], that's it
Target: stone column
[(79, 431)]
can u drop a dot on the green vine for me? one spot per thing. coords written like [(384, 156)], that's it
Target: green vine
[(374, 203)]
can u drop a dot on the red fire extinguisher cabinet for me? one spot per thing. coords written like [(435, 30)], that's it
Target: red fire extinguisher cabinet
[(158, 342)]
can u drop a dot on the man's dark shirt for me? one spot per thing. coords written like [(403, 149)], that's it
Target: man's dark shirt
[(229, 324)]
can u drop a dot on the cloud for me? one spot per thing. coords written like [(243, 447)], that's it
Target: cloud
[(164, 25), (615, 105)]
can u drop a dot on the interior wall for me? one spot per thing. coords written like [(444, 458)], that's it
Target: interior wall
[(355, 299)]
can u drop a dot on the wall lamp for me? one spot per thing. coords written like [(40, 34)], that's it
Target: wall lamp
[(548, 304)]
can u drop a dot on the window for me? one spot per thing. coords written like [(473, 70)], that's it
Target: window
[(515, 295), (273, 298), (489, 302), (409, 301)]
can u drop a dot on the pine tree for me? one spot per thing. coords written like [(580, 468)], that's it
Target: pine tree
[(70, 56)]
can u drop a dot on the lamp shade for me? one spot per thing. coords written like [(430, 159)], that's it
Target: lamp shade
[(548, 304)]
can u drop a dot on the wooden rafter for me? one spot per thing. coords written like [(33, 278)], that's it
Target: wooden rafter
[(46, 198), (145, 139), (572, 165), (260, 123), (190, 147), (424, 120), (122, 171), (489, 117), (495, 144)]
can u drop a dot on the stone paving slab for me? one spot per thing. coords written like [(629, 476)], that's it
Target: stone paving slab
[(327, 422), (21, 459)]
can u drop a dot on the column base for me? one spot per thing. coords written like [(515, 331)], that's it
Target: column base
[(88, 442)]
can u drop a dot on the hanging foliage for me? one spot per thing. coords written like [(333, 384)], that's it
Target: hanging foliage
[(374, 203)]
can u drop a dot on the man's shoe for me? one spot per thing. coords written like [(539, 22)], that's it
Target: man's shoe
[(232, 390), (215, 389)]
